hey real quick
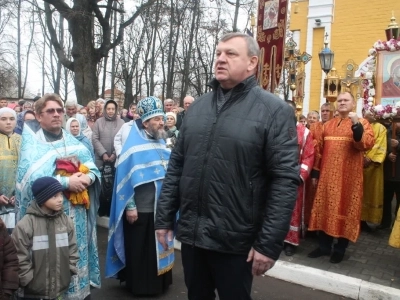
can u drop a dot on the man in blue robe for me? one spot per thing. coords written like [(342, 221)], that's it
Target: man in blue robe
[(133, 254), (44, 144)]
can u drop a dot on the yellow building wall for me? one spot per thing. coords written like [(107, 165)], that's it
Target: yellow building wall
[(316, 72), (356, 26), (299, 22)]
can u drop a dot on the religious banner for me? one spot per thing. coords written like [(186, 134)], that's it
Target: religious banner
[(271, 35)]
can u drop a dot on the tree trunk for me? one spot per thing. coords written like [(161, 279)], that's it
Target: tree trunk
[(84, 55), (153, 51), (186, 68), (113, 54), (235, 20), (57, 82), (19, 58)]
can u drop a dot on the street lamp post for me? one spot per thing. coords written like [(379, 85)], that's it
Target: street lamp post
[(332, 85)]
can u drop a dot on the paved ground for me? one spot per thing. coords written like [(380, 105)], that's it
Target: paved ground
[(263, 288), (370, 259)]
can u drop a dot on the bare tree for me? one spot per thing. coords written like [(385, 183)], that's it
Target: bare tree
[(85, 55)]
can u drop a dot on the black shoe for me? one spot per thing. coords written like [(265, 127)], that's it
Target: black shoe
[(382, 227), (364, 227), (336, 257), (317, 253), (290, 250)]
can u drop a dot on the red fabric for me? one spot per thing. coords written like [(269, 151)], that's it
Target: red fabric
[(271, 35), (306, 146), (67, 166)]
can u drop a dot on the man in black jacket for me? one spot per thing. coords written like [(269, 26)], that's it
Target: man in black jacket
[(187, 101), (233, 175)]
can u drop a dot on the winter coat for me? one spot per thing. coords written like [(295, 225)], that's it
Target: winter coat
[(9, 281), (103, 135), (121, 136), (47, 253), (233, 174), (179, 119)]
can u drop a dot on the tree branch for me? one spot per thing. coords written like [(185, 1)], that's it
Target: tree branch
[(112, 8), (53, 37), (137, 13), (62, 7)]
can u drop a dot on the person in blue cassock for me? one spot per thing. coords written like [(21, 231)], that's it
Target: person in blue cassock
[(133, 254), (48, 150)]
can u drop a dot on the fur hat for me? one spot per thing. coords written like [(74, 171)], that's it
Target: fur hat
[(44, 188), (150, 107)]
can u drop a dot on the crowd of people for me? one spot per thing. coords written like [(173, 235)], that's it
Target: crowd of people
[(353, 178), (54, 162), (235, 176)]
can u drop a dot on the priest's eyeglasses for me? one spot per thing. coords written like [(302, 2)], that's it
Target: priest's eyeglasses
[(52, 111)]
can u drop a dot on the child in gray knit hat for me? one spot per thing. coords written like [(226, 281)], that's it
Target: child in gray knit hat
[(46, 244)]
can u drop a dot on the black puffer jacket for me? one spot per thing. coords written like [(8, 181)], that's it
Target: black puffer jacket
[(234, 175)]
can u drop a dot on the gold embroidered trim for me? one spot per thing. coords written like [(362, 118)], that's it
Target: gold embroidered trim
[(337, 138)]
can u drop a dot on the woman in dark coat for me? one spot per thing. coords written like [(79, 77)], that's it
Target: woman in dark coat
[(8, 265)]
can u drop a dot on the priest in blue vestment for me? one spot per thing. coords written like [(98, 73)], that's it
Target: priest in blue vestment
[(133, 254), (48, 150)]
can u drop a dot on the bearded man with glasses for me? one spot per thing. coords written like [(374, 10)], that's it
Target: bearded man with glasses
[(48, 150)]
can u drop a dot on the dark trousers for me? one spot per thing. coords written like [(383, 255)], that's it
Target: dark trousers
[(207, 270), (389, 189), (326, 241)]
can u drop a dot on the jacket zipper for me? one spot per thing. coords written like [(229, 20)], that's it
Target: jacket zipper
[(251, 203), (203, 171)]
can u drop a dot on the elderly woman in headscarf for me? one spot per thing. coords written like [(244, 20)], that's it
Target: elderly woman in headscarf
[(74, 127), (26, 115), (9, 150), (104, 131)]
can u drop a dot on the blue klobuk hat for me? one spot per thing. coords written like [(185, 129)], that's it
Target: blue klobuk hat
[(150, 107)]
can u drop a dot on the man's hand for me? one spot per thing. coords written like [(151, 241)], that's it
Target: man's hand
[(85, 179), (131, 216), (261, 263), (394, 143), (4, 200), (164, 236), (76, 184), (392, 157), (112, 157), (367, 162), (105, 157), (353, 117)]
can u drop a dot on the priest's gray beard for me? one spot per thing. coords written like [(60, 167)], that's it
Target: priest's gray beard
[(157, 134)]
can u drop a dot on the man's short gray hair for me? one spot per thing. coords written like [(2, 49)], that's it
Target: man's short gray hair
[(169, 101), (71, 102), (326, 105), (252, 46), (313, 112)]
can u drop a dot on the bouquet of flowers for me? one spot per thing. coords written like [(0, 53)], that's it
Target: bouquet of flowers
[(384, 111)]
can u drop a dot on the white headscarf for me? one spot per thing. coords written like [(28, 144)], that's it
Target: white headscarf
[(68, 125), (7, 110)]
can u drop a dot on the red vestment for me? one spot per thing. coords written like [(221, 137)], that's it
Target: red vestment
[(337, 204), (306, 160), (316, 130)]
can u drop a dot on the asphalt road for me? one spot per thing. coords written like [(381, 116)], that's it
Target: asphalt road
[(264, 288)]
